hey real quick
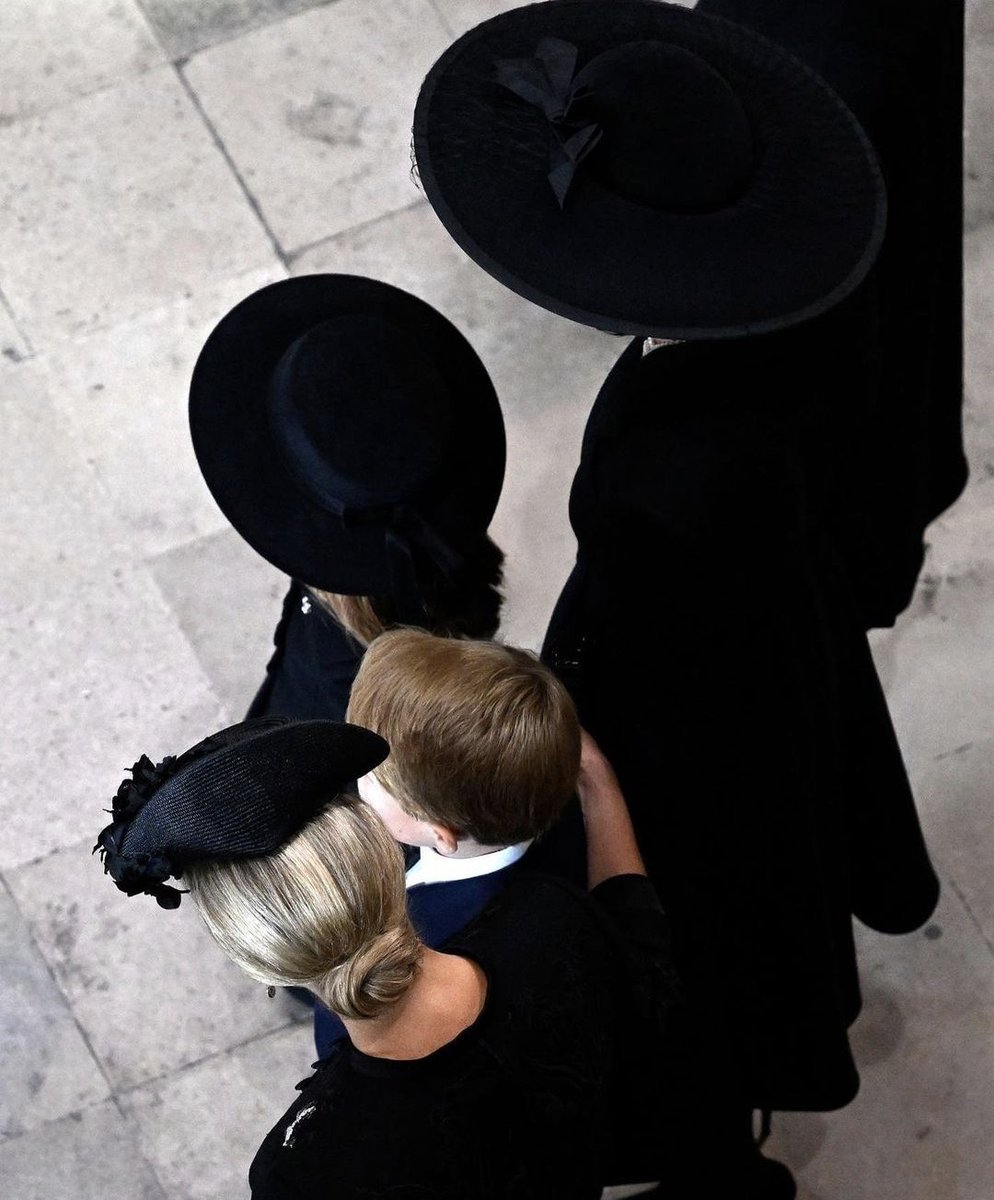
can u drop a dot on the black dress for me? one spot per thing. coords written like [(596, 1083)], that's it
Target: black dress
[(711, 635), (898, 64), (541, 1097)]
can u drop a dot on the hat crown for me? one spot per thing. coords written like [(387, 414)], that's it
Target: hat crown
[(676, 136), (360, 413)]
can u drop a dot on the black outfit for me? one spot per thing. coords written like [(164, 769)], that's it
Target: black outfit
[(543, 1095), (311, 671), (898, 64), (712, 638)]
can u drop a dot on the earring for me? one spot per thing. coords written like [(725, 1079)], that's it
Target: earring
[(271, 991)]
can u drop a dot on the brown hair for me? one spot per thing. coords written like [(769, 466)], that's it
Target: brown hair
[(483, 737), (467, 605), (327, 911)]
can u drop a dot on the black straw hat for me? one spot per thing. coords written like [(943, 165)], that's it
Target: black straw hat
[(349, 432), (240, 793), (645, 169)]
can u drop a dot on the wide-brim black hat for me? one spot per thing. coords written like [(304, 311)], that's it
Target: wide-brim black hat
[(342, 424), (682, 178), (240, 793)]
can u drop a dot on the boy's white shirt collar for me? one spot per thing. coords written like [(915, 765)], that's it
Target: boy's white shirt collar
[(433, 867)]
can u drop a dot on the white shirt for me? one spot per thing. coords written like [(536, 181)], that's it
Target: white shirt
[(433, 867)]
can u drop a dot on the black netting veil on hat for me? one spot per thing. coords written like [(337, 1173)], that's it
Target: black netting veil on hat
[(240, 793)]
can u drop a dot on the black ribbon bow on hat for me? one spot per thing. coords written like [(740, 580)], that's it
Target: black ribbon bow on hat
[(407, 530), (406, 533), (546, 81)]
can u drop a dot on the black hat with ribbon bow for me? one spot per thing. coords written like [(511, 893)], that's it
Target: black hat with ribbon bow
[(647, 169), (240, 793), (350, 434)]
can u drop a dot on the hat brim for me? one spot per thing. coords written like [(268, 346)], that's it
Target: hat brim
[(801, 237), (247, 476)]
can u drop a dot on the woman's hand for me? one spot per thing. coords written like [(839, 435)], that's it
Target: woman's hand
[(611, 846), (596, 773)]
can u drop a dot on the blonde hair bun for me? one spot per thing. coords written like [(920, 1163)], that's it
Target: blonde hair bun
[(327, 911), (374, 977)]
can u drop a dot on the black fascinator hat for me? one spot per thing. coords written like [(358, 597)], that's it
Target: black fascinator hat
[(240, 793), (349, 433), (648, 169)]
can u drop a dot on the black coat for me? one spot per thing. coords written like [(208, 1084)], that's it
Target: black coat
[(313, 666), (711, 635), (898, 64), (546, 1094)]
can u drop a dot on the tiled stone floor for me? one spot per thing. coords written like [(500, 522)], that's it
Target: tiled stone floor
[(158, 160)]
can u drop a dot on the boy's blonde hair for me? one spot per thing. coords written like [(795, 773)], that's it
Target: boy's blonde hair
[(483, 738), (327, 911)]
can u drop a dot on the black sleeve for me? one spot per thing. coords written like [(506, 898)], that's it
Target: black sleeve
[(634, 908), (641, 933), (260, 703)]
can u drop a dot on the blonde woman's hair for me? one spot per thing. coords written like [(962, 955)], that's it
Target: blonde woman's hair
[(328, 912), (483, 737)]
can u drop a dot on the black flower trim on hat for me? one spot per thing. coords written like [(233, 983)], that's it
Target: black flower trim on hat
[(138, 874), (546, 81), (135, 874)]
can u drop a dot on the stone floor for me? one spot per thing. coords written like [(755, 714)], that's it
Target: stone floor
[(158, 161)]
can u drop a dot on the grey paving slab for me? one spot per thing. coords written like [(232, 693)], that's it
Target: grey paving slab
[(316, 111), (185, 26), (93, 676), (547, 371), (149, 987), (980, 21), (978, 333), (978, 184), (956, 789), (919, 1129), (89, 1155), (115, 204), (461, 15), (532, 524), (227, 600), (56, 530), (46, 1070), (201, 1127), (123, 393), (54, 50), (13, 344), (937, 663)]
